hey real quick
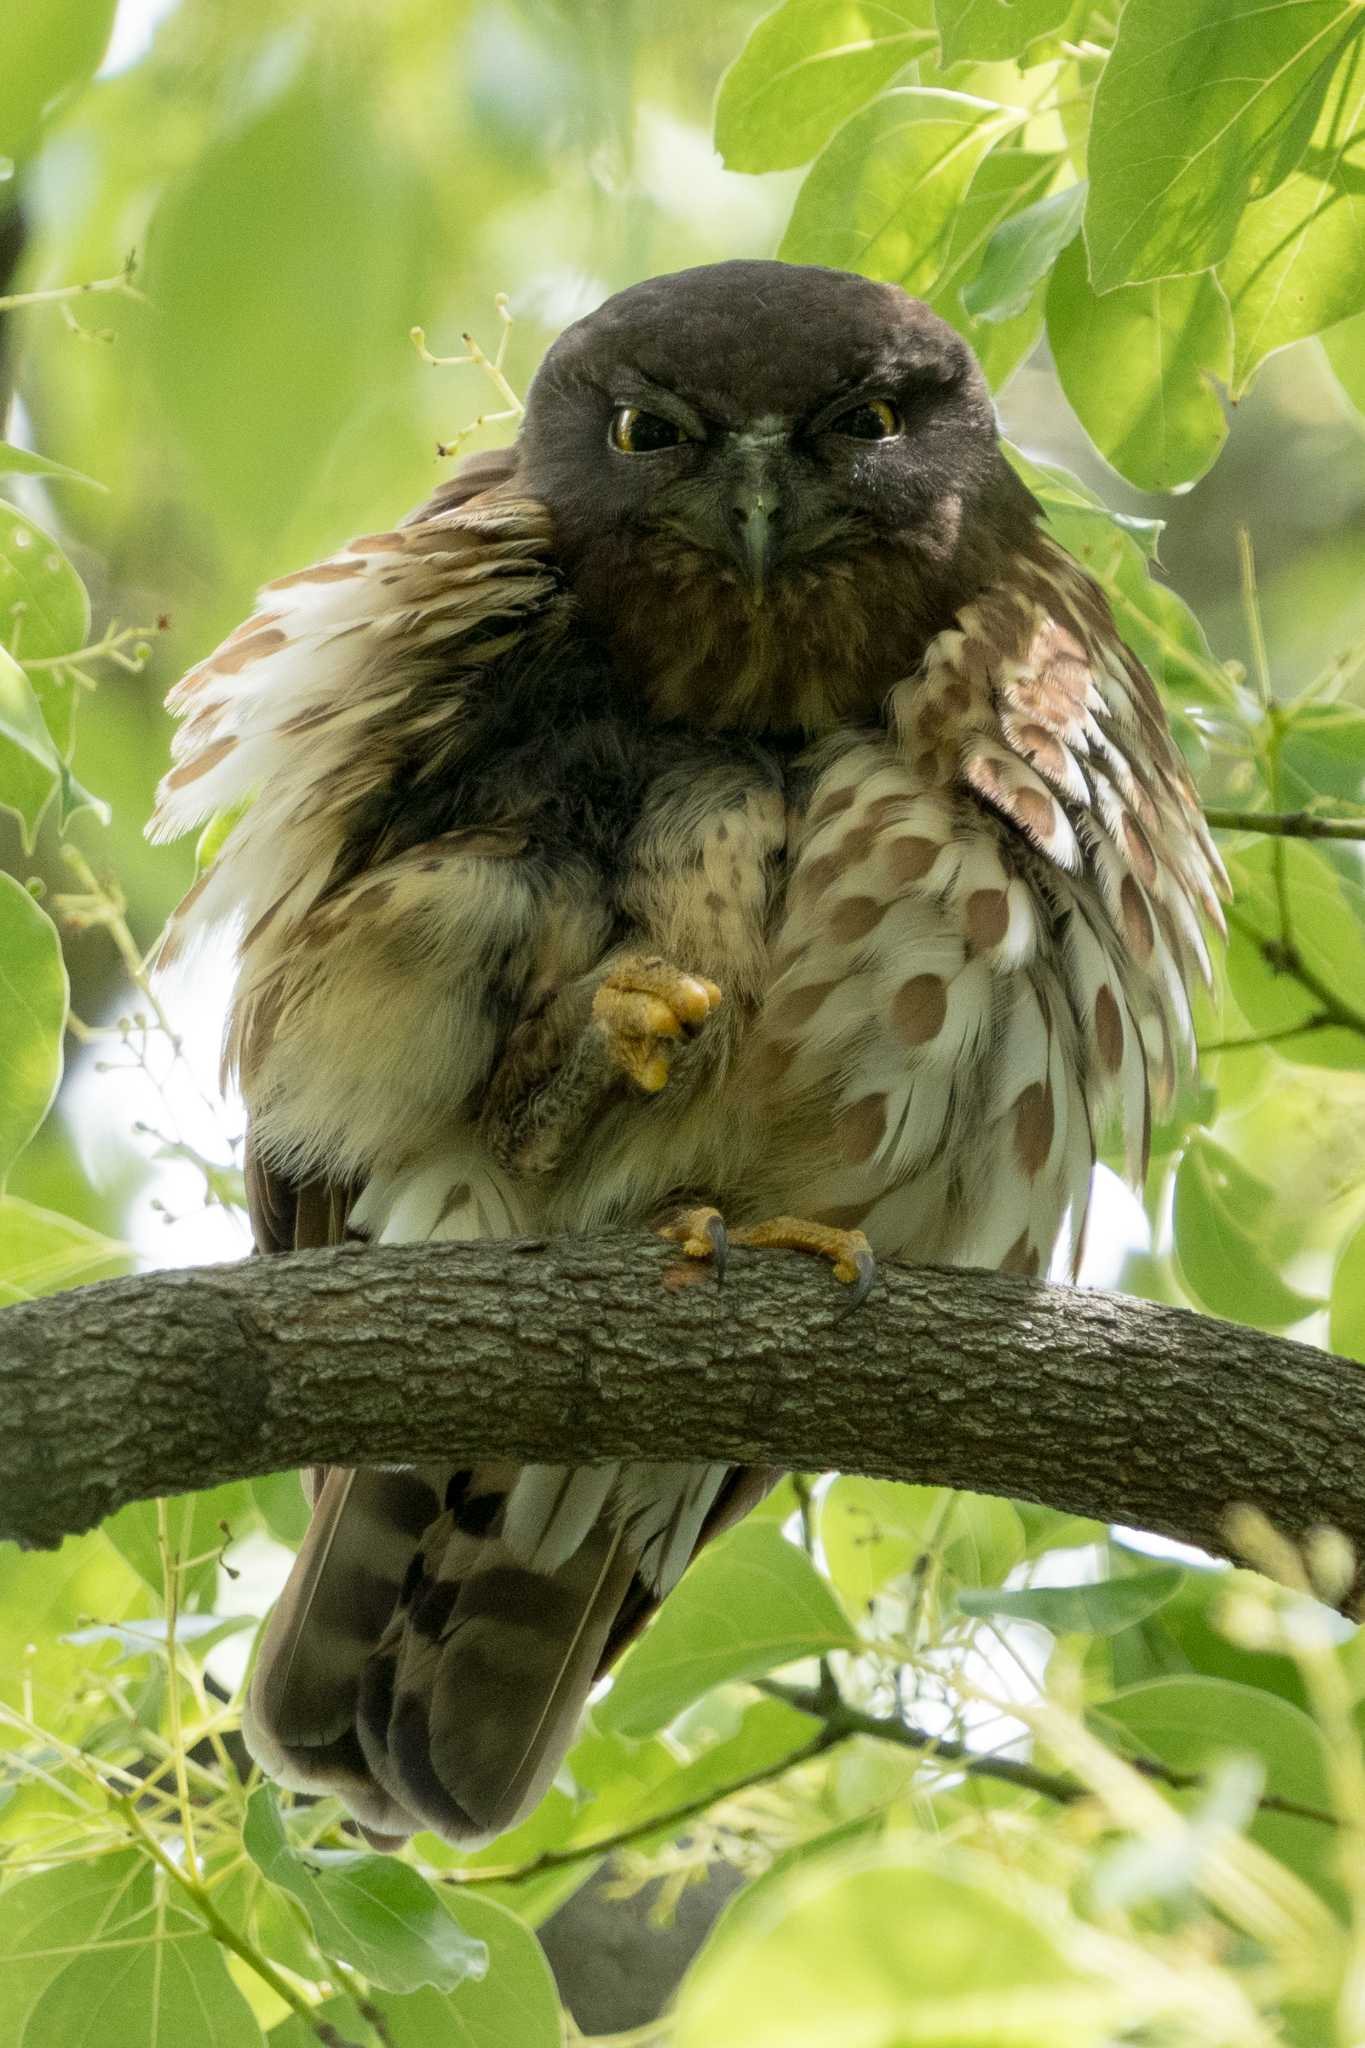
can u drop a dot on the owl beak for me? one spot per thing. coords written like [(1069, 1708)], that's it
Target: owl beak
[(753, 517)]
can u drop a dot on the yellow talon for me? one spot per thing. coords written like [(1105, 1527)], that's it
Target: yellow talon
[(644, 1008)]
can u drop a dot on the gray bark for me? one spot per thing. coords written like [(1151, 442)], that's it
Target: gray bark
[(613, 1346)]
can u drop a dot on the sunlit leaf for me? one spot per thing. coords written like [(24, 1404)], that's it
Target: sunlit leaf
[(995, 28), (33, 1000), (1137, 365), (1199, 110), (41, 1252), (1294, 267), (23, 462), (1191, 1724), (1100, 1608), (1021, 253), (1348, 1298), (805, 68), (882, 197), (887, 1949), (372, 1912), (751, 1602), (873, 1531), (1006, 179), (1328, 928), (1221, 1261), (512, 2006), (44, 52), (105, 1952)]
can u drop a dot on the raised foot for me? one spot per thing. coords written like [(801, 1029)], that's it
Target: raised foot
[(645, 1009), (703, 1235)]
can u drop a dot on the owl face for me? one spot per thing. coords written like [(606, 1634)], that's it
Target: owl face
[(761, 417)]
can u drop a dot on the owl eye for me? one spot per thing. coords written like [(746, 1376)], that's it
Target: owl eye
[(636, 432), (873, 420)]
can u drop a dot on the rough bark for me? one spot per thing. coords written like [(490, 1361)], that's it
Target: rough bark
[(611, 1346)]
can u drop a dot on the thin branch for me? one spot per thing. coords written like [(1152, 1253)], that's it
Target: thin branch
[(1319, 1022), (659, 1824), (64, 295), (1285, 957), (586, 1347), (848, 1720), (1286, 824)]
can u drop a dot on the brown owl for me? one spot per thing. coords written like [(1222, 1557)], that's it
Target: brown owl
[(727, 803)]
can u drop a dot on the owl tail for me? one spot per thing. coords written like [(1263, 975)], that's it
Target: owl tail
[(431, 1653)]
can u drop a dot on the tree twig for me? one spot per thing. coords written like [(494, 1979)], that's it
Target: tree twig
[(1286, 824)]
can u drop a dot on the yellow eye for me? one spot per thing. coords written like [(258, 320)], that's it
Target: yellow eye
[(636, 432), (873, 420)]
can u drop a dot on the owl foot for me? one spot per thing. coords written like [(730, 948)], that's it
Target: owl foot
[(703, 1235), (644, 1009)]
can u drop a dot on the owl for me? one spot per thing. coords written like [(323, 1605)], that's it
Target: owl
[(725, 811)]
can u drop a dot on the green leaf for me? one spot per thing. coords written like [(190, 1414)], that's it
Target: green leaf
[(23, 462), (514, 2005), (994, 28), (372, 1912), (891, 1947), (1345, 346), (44, 613), (874, 1530), (1295, 265), (1081, 521), (1199, 110), (1021, 252), (104, 1952), (44, 52), (194, 1529), (283, 1506), (31, 769), (1005, 180), (1348, 1298), (882, 197), (1328, 915), (40, 1252), (1137, 366), (750, 1603), (44, 610), (33, 1000), (253, 348), (1101, 1608), (1191, 1724), (1220, 1261), (805, 68)]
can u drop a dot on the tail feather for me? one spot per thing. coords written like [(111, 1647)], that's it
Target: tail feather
[(442, 1628)]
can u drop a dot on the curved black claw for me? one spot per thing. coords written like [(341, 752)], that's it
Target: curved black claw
[(861, 1285), (719, 1239)]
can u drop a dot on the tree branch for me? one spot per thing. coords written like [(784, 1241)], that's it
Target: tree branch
[(614, 1347)]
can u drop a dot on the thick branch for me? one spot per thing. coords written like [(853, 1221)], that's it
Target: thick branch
[(612, 1346)]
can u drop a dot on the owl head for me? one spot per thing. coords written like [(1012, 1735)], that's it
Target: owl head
[(753, 437)]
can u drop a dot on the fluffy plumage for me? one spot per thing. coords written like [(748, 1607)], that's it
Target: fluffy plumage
[(779, 685)]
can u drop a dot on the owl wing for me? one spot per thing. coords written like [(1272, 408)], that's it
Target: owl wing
[(430, 1653), (993, 921)]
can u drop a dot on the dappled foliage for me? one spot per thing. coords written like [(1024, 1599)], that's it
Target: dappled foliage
[(1130, 212)]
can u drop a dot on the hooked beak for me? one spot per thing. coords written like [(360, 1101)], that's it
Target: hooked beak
[(752, 518), (751, 522)]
